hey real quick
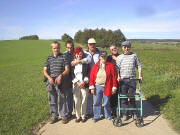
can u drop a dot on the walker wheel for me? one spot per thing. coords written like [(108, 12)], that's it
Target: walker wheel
[(117, 122), (139, 122)]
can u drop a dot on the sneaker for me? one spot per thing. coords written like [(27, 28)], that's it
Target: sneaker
[(64, 120), (53, 120), (124, 118)]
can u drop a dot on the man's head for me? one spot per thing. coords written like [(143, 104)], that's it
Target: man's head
[(55, 47), (92, 44), (70, 47), (103, 57), (126, 47), (113, 49)]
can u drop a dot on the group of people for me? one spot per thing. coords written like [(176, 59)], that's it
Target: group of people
[(78, 81)]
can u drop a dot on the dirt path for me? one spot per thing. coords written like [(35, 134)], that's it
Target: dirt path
[(154, 124)]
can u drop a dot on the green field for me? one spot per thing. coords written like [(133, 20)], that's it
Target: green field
[(24, 101)]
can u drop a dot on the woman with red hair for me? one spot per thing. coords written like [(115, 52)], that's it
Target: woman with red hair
[(80, 79)]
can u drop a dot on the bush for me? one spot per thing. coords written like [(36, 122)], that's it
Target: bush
[(31, 37)]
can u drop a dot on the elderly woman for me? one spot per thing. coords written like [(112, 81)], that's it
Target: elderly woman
[(80, 74), (102, 85)]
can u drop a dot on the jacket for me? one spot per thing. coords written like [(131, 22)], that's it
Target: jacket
[(111, 78)]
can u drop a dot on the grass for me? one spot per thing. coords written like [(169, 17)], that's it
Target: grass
[(161, 72), (24, 101), (23, 98)]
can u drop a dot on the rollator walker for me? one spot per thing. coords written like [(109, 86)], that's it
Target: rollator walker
[(139, 121)]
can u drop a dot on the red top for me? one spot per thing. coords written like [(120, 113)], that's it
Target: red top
[(111, 78)]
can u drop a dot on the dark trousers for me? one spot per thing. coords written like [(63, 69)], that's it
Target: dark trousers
[(128, 86)]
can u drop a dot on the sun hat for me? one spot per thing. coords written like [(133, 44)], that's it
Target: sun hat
[(91, 41)]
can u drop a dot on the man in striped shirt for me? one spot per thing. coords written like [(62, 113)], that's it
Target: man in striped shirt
[(127, 62), (55, 68)]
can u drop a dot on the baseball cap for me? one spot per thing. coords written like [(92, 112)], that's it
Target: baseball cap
[(91, 41), (103, 54), (126, 43)]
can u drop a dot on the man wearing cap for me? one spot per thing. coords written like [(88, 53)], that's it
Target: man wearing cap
[(127, 62), (93, 54), (102, 84)]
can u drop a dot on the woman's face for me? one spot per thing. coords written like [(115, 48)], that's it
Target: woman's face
[(79, 55), (103, 59)]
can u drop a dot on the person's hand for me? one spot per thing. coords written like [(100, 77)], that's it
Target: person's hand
[(81, 85), (140, 78), (50, 80), (75, 62), (113, 91), (118, 79), (58, 80), (92, 91), (114, 57)]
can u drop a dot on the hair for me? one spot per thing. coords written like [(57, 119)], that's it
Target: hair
[(55, 42), (69, 42), (77, 50), (112, 46)]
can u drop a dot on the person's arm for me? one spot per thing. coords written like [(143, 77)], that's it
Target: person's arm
[(65, 72), (138, 65), (47, 76), (59, 78), (91, 81), (114, 77), (140, 74), (86, 60), (118, 68)]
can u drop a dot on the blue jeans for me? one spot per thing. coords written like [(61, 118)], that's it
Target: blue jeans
[(98, 96), (128, 87), (70, 100), (58, 101)]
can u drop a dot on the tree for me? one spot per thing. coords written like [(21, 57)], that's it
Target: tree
[(104, 38), (66, 37), (31, 37)]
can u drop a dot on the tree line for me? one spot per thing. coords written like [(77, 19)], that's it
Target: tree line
[(104, 38), (31, 37)]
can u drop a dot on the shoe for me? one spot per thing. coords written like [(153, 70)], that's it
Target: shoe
[(83, 120), (78, 120), (64, 120), (53, 120), (124, 118), (70, 116)]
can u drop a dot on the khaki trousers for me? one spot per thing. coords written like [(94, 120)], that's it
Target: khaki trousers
[(80, 99)]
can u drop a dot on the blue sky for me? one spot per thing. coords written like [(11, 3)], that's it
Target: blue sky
[(50, 19)]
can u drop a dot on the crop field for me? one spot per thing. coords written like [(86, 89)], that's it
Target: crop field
[(24, 101)]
